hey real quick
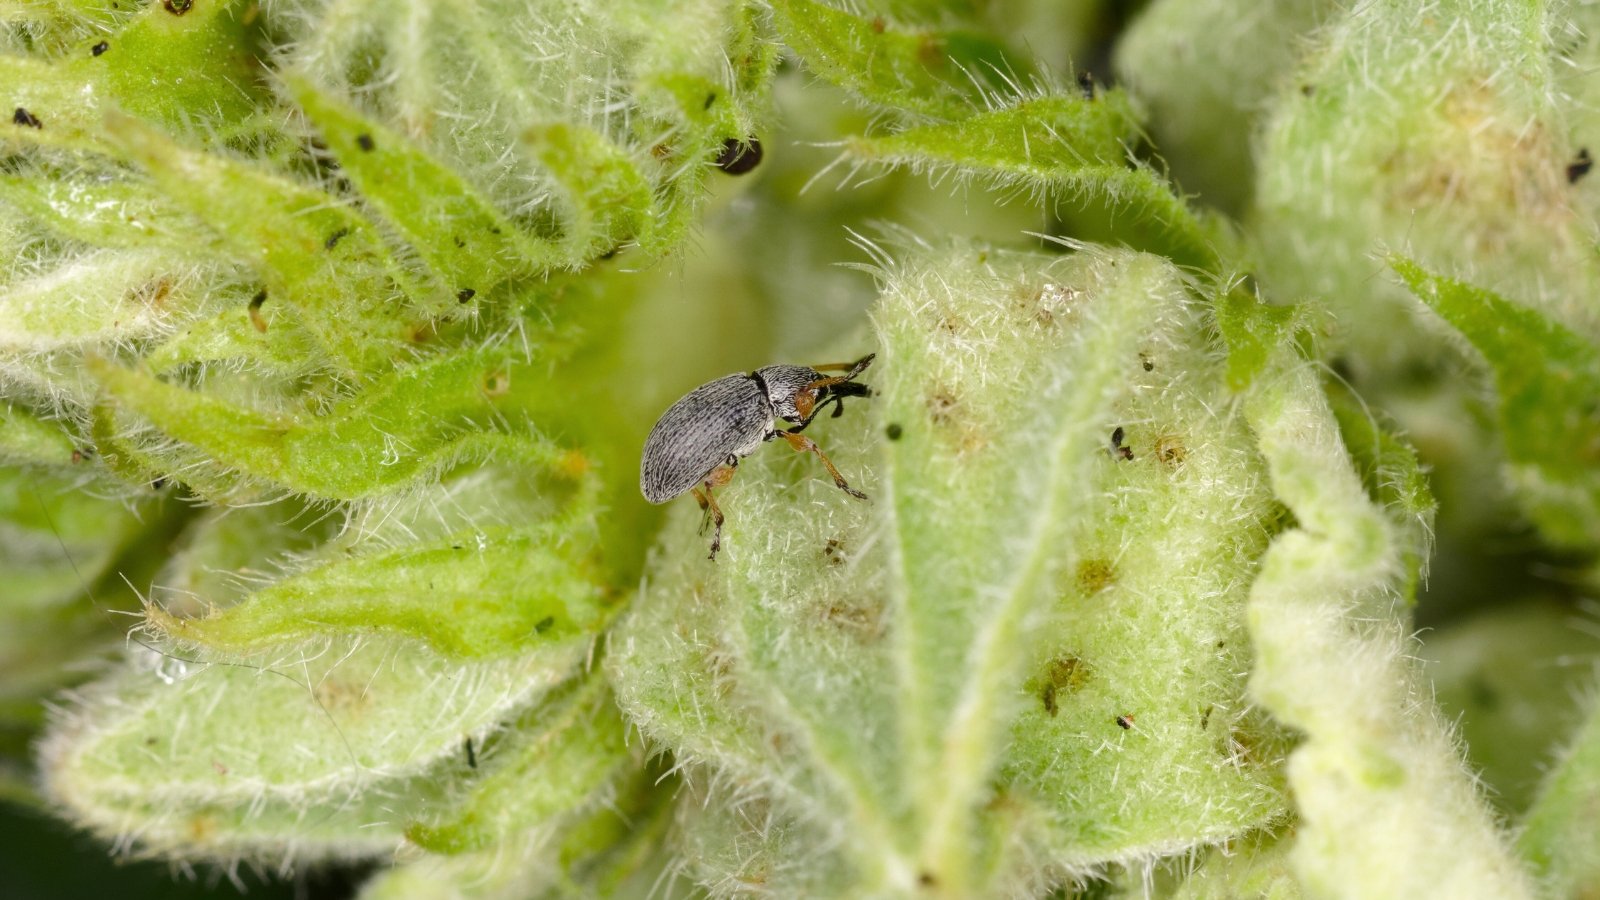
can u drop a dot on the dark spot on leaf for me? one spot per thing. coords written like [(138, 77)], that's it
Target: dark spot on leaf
[(878, 25), (465, 294), (1308, 89), (1579, 167), (158, 484), (739, 156), (1125, 721), (710, 99), (1145, 363), (1205, 716), (458, 241), (472, 756), (25, 118), (365, 142), (177, 7), (893, 431), (1117, 449), (1095, 575), (834, 551), (100, 48), (334, 239), (544, 624), (926, 879)]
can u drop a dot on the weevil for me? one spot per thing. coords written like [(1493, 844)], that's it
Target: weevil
[(698, 442)]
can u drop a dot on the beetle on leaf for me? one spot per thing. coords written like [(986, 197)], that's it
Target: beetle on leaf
[(698, 442)]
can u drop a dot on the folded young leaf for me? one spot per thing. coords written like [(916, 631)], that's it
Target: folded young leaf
[(1386, 806)]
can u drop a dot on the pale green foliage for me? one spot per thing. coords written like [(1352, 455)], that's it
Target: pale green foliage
[(330, 331), (1561, 837), (1205, 92)]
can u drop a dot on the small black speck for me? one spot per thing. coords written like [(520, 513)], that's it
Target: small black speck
[(100, 48), (893, 431), (1146, 364), (365, 142), (494, 229), (1580, 166), (472, 756), (1124, 722), (456, 547), (465, 294), (158, 484), (738, 157), (459, 241), (334, 239), (1308, 89), (926, 879), (258, 299), (544, 624), (710, 99), (609, 254), (23, 117), (178, 7), (1086, 85)]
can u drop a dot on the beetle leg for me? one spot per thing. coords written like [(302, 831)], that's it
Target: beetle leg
[(803, 444), (717, 477), (832, 398)]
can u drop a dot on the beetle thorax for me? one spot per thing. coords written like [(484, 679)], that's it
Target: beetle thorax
[(783, 384)]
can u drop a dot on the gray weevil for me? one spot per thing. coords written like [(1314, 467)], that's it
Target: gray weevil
[(698, 441)]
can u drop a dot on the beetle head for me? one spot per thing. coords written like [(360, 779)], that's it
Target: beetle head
[(797, 391)]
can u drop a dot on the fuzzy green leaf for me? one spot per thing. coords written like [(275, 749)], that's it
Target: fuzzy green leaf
[(926, 71), (467, 242), (1561, 833), (316, 256), (484, 593), (170, 751), (175, 70), (1067, 147), (554, 761), (1547, 382), (373, 443)]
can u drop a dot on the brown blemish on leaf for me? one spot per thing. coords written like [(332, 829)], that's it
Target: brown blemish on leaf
[(1493, 167), (1169, 449), (339, 696), (1063, 674), (940, 404), (1095, 575)]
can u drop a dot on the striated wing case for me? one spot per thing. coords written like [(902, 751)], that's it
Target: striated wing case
[(698, 433)]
